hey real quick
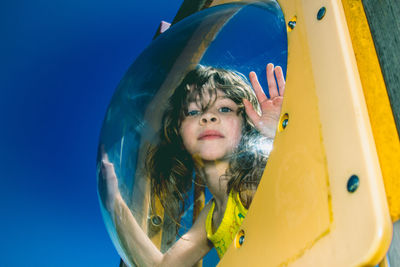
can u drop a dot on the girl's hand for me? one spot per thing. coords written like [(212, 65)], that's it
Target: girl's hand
[(267, 122), (108, 183)]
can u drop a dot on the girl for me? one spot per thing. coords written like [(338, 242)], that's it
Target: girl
[(215, 126)]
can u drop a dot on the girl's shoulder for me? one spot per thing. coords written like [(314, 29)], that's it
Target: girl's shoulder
[(205, 211), (208, 206)]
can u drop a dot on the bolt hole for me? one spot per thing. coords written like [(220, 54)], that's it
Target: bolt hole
[(321, 13), (353, 183), (156, 220), (284, 122), (291, 24), (239, 240)]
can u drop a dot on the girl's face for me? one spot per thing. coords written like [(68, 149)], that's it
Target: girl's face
[(214, 133)]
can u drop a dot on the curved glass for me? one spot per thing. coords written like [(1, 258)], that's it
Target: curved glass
[(238, 37)]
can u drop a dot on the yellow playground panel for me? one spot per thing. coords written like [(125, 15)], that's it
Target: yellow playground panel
[(322, 200)]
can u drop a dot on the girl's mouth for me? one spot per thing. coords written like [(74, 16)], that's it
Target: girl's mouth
[(210, 134)]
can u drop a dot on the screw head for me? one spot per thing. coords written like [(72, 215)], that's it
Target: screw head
[(156, 220), (285, 123), (321, 13), (353, 183), (241, 240), (292, 24)]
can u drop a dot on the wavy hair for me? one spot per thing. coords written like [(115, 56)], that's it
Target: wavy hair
[(168, 164)]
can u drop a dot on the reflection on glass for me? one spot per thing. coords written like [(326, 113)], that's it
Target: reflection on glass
[(187, 134)]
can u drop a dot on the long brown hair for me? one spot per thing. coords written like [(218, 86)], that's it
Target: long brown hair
[(168, 164)]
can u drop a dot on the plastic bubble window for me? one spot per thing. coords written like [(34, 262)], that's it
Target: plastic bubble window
[(238, 37)]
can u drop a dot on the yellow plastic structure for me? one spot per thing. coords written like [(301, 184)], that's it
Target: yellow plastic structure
[(303, 213), (380, 113)]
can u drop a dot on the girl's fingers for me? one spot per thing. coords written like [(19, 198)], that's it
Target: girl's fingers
[(104, 155), (257, 87), (273, 90), (280, 79), (251, 113), (107, 168)]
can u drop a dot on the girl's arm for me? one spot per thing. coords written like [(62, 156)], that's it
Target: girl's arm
[(189, 249), (192, 246), (267, 121)]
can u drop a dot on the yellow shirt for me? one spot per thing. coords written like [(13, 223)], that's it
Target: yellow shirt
[(233, 218)]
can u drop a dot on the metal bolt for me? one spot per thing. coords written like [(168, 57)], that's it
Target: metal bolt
[(321, 13), (285, 123), (241, 239), (156, 220), (292, 24), (353, 183)]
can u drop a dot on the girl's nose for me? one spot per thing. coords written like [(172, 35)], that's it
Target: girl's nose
[(208, 117)]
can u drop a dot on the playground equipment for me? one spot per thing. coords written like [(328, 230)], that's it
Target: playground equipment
[(330, 192)]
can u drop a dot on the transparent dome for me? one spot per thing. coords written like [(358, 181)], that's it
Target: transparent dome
[(239, 37)]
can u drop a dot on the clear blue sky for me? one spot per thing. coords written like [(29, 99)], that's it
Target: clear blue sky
[(60, 62)]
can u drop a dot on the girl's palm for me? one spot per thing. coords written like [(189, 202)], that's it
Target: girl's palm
[(267, 122), (108, 182)]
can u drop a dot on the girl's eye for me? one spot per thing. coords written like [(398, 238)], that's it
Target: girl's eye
[(191, 113), (225, 109)]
